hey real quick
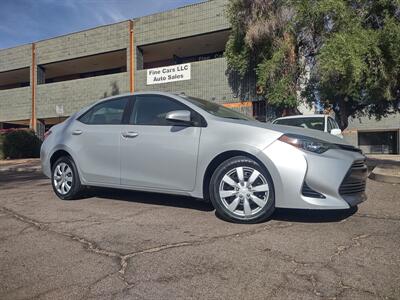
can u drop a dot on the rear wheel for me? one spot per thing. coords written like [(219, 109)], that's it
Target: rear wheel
[(242, 191), (65, 179)]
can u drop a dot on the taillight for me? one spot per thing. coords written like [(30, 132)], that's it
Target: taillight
[(47, 133)]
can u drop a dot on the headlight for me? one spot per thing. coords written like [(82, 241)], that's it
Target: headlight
[(306, 143)]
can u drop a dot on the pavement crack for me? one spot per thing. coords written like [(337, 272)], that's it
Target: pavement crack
[(15, 234), (124, 258), (343, 287), (355, 242)]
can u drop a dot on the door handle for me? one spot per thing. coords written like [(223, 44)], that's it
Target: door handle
[(77, 132), (130, 134)]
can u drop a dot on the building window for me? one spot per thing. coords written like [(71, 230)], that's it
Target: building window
[(383, 142), (180, 51), (14, 79), (83, 67)]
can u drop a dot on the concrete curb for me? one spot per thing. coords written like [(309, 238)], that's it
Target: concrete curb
[(386, 173), (20, 169)]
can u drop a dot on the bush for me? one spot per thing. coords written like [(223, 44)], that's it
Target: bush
[(21, 144)]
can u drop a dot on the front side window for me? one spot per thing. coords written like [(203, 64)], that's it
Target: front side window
[(108, 112), (153, 109)]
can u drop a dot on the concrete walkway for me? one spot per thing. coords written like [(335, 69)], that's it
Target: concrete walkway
[(383, 159), (385, 168)]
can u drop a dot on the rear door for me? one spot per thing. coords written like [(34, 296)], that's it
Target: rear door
[(96, 141), (156, 153)]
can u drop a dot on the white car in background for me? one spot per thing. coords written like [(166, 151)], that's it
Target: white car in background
[(317, 122)]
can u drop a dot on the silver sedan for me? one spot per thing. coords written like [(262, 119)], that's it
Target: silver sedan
[(176, 144)]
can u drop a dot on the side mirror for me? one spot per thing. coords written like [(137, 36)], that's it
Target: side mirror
[(179, 116), (336, 131)]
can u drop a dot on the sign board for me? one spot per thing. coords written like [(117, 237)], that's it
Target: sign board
[(168, 74), (59, 110)]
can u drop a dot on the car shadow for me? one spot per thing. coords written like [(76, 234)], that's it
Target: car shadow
[(280, 214), (149, 198), (312, 216), (11, 180)]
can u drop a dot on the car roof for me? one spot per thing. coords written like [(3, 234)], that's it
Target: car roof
[(170, 94), (142, 93)]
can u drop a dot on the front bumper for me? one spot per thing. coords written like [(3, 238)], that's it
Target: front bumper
[(331, 175)]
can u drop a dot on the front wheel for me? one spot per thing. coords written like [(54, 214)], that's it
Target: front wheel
[(242, 191), (65, 179)]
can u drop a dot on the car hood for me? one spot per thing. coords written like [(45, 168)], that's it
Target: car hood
[(326, 137)]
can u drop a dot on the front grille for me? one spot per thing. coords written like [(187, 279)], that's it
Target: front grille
[(355, 180), (309, 192), (348, 148), (359, 164)]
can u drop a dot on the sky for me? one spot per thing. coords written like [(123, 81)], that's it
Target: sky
[(27, 21)]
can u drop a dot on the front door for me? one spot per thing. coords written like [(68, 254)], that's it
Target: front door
[(154, 152)]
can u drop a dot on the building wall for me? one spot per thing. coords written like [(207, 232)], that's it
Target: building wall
[(15, 104), (366, 124), (185, 21), (84, 43), (351, 137), (209, 78), (208, 81), (15, 58), (73, 95)]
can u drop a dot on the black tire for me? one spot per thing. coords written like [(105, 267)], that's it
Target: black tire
[(76, 187), (248, 164)]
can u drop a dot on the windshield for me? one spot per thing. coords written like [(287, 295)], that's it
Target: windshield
[(310, 123), (216, 109)]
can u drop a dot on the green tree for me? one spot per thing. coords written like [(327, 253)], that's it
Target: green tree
[(262, 40), (353, 48), (357, 69)]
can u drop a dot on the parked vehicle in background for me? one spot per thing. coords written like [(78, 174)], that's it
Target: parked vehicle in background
[(317, 122), (176, 144)]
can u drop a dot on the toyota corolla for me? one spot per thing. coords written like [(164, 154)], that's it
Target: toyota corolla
[(176, 144)]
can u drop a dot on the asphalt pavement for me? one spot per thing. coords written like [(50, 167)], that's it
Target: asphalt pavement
[(131, 245)]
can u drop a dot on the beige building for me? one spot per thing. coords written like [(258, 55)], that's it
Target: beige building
[(44, 82)]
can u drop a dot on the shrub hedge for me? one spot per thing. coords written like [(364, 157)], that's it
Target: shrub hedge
[(21, 144)]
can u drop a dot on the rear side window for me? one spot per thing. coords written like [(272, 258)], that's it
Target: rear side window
[(108, 112), (153, 109)]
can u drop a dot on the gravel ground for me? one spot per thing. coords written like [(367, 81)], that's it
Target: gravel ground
[(130, 245)]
